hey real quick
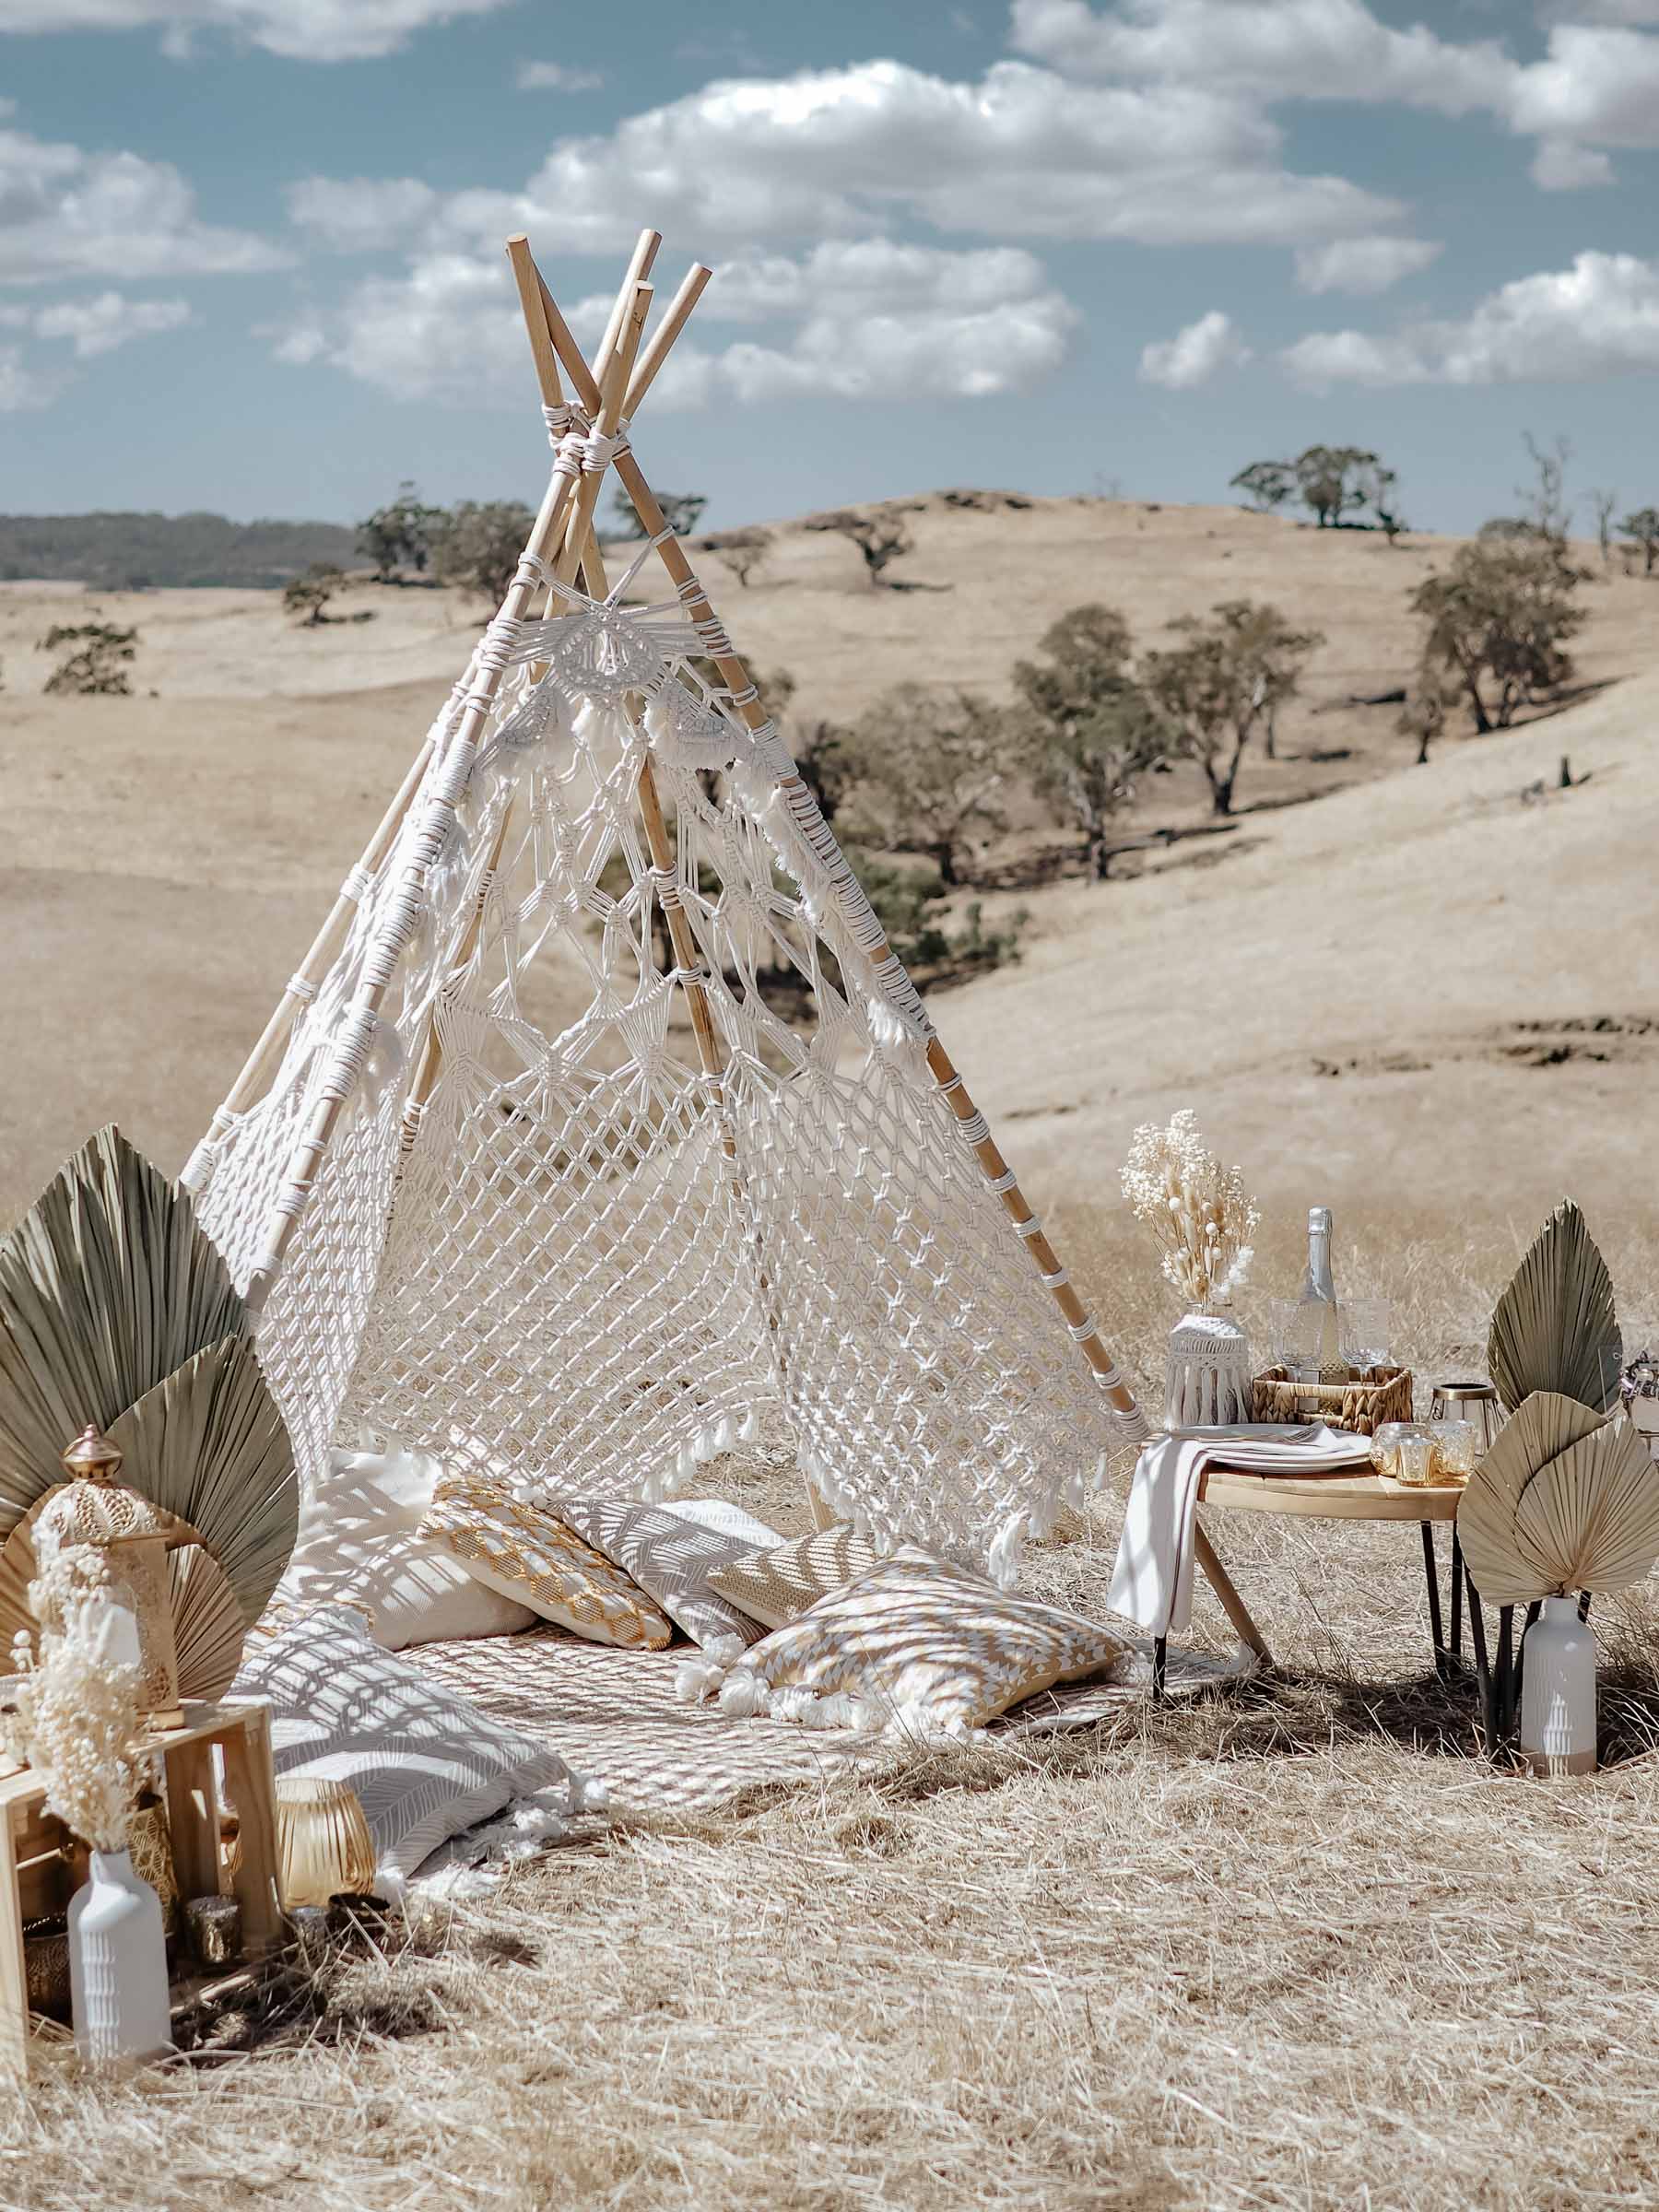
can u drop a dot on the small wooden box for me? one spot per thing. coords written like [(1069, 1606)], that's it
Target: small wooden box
[(35, 1878), (1361, 1405)]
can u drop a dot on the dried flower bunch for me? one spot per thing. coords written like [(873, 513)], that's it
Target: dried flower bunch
[(76, 1715), (1198, 1210)]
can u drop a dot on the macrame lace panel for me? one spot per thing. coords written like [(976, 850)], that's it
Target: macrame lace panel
[(583, 1259)]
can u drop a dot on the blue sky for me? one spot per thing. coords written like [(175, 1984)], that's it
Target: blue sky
[(250, 250)]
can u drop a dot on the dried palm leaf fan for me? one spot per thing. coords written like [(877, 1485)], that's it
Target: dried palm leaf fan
[(1555, 1328), (115, 1309), (1563, 1501)]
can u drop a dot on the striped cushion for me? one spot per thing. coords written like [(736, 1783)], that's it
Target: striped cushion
[(917, 1647), (528, 1553), (775, 1586)]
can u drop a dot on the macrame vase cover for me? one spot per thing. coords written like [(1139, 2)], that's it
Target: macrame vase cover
[(546, 1242)]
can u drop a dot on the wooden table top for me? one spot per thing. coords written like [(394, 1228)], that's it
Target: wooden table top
[(1327, 1497)]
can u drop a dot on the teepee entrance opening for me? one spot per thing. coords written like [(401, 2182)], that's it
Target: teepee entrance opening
[(602, 1113)]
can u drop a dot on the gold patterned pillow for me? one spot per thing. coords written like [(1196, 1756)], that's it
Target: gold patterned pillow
[(775, 1586), (529, 1554), (916, 1648)]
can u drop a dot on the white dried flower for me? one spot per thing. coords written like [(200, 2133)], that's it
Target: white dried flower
[(76, 1720), (1198, 1210)]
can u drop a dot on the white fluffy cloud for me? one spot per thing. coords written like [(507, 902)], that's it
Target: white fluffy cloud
[(21, 386), (1597, 85), (67, 213), (1195, 354), (1363, 265), (840, 153), (361, 215), (101, 324), (1286, 49), (1560, 166), (31, 376), (304, 30), (1600, 318), (862, 319)]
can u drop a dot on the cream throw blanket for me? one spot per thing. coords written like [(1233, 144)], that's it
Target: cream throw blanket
[(1152, 1582)]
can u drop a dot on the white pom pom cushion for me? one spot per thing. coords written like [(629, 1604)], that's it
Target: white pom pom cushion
[(916, 1647), (424, 1762), (359, 1545), (528, 1554), (775, 1586), (672, 1553)]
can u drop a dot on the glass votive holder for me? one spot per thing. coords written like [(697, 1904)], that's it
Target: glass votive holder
[(1455, 1446), (214, 1928), (1388, 1447), (1416, 1462)]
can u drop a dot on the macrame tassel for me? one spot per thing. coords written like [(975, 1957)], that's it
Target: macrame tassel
[(885, 1029), (382, 1063), (742, 1694), (695, 1680), (749, 1431), (1008, 1548)]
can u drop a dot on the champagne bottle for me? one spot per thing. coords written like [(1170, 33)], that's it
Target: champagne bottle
[(1319, 1288)]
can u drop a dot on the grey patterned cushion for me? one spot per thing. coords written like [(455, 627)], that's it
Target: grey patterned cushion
[(671, 1554), (424, 1762)]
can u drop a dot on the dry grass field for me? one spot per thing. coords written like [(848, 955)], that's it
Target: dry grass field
[(1296, 1946)]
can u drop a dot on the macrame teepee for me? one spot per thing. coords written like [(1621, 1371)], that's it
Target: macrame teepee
[(491, 1198)]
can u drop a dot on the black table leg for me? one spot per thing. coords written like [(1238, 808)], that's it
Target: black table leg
[(1488, 1715), (1458, 1593), (1443, 1665), (1160, 1665)]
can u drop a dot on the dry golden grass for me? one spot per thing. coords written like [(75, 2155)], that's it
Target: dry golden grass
[(1295, 1948)]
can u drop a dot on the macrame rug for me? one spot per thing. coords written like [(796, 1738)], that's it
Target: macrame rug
[(614, 1718)]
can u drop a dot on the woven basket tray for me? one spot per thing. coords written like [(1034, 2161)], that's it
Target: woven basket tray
[(1363, 1405)]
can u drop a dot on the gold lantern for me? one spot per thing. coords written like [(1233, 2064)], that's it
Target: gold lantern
[(323, 1846), (93, 1508)]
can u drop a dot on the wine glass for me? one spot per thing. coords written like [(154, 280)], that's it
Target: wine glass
[(1296, 1333), (1363, 1325)]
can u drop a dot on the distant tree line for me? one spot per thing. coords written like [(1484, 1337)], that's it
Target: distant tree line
[(122, 552)]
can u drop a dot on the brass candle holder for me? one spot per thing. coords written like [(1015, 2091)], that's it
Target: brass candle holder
[(93, 1508)]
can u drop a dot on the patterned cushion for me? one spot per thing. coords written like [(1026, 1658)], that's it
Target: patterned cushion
[(529, 1554), (776, 1586), (424, 1762), (673, 1555), (360, 1546), (916, 1647)]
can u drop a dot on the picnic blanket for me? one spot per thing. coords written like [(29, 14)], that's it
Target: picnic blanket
[(614, 1717)]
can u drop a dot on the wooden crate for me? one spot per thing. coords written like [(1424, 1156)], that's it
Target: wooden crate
[(35, 1875)]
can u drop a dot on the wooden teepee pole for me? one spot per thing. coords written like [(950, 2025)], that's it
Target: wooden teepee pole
[(737, 680), (301, 986), (711, 1049), (311, 1146)]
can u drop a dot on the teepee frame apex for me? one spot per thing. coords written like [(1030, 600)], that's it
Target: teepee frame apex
[(551, 344), (852, 1221)]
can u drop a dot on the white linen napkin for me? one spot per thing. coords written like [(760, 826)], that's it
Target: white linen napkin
[(1152, 1579)]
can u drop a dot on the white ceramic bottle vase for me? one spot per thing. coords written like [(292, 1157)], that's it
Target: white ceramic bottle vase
[(118, 1963), (1557, 1691)]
